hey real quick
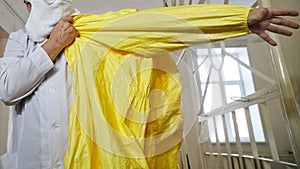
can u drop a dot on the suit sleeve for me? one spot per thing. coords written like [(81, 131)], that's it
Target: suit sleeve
[(168, 28)]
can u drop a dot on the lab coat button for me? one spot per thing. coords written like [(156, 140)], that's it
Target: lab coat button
[(54, 125), (52, 89), (57, 165)]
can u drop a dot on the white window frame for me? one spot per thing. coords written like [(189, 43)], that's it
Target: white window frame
[(216, 52)]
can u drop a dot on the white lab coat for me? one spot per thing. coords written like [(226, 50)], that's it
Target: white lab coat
[(40, 93)]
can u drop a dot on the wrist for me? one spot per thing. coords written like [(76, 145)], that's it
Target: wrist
[(52, 48)]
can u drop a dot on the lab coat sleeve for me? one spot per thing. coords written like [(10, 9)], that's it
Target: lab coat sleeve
[(21, 72), (168, 29)]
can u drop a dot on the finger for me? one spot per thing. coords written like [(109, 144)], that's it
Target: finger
[(283, 12), (70, 29), (284, 22), (66, 26), (68, 19), (278, 30), (275, 29), (64, 23), (267, 38), (76, 33), (73, 31)]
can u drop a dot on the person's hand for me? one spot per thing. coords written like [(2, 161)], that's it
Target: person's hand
[(261, 20), (62, 35)]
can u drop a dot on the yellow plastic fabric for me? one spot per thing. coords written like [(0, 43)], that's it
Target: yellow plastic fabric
[(126, 111)]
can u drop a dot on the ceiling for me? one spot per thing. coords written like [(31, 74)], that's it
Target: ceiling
[(101, 6)]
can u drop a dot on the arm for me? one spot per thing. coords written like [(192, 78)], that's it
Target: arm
[(21, 71), (169, 28)]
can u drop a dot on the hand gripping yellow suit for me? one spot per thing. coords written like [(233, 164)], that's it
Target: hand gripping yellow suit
[(126, 112)]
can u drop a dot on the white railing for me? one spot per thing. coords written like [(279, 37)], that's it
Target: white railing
[(233, 154)]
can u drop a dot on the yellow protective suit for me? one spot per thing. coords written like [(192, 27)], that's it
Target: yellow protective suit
[(126, 112)]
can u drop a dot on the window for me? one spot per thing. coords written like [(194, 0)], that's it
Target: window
[(223, 80)]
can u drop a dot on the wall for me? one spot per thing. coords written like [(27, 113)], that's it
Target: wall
[(3, 109), (3, 127), (289, 50), (291, 46), (13, 14), (260, 59)]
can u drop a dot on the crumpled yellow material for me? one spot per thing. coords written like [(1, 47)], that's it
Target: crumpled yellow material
[(126, 111)]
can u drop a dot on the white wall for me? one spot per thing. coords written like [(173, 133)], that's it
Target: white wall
[(13, 14), (260, 60), (3, 109), (291, 53), (291, 46), (3, 127)]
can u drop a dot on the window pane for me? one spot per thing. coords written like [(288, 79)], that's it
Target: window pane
[(211, 130), (257, 127), (247, 81), (235, 82), (242, 125), (230, 127), (230, 70), (213, 98), (232, 92), (220, 129), (203, 70), (216, 128)]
